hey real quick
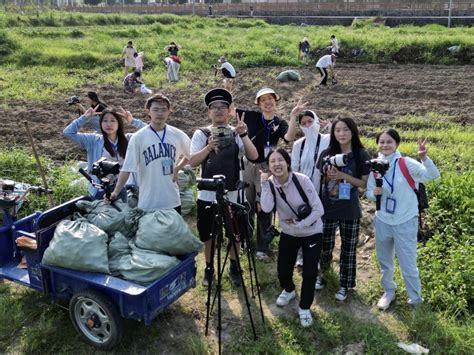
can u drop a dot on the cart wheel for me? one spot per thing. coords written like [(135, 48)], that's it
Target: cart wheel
[(95, 317)]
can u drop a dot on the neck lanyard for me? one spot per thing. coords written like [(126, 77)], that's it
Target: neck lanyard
[(268, 128), (392, 184), (114, 148), (162, 139)]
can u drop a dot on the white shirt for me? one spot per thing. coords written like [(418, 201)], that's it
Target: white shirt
[(325, 61), (334, 45), (229, 67), (147, 155), (198, 142)]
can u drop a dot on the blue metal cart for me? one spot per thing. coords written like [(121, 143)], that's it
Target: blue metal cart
[(97, 302)]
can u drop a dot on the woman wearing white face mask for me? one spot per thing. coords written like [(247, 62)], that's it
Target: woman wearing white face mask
[(306, 151)]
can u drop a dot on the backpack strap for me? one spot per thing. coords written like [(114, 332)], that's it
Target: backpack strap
[(316, 152), (406, 173), (206, 131)]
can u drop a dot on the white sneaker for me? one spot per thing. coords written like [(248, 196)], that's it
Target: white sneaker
[(260, 255), (285, 298), (305, 317), (385, 300), (341, 295), (320, 283)]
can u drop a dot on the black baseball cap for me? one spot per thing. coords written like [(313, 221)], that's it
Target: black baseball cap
[(216, 95)]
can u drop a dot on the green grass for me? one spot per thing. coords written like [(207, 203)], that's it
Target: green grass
[(61, 51)]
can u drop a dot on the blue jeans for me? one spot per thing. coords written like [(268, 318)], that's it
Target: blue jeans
[(399, 240)]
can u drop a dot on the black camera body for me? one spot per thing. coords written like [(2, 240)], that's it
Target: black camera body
[(378, 165), (303, 211), (217, 183), (103, 167), (270, 234), (73, 100)]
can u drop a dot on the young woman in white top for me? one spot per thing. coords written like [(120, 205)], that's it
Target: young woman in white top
[(396, 223)]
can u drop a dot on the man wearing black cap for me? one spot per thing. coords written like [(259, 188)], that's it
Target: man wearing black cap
[(217, 148), (265, 130)]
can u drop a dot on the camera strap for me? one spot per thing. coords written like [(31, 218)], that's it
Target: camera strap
[(283, 195), (272, 188), (316, 151)]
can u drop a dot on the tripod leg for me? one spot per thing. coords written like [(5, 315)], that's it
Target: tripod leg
[(214, 228)]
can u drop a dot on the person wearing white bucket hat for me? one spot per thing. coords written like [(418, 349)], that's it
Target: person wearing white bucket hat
[(265, 129)]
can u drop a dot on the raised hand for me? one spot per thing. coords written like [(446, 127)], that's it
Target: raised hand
[(212, 144), (241, 127), (126, 114), (91, 112), (264, 176), (422, 149), (300, 106)]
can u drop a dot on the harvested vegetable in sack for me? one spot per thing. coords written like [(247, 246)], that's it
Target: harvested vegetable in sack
[(186, 181), (165, 231), (289, 75), (118, 247), (144, 266), (78, 245), (105, 216)]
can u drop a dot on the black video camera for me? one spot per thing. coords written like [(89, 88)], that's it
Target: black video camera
[(104, 167), (378, 165), (73, 100), (338, 161), (217, 183), (270, 234)]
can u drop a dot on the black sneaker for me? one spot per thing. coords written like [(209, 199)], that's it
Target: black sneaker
[(208, 275), (235, 277)]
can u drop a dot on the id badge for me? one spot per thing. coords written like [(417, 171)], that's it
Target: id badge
[(344, 191), (390, 205), (266, 150), (167, 165)]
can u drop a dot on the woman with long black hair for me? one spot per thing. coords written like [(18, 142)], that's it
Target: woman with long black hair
[(340, 197), (111, 143)]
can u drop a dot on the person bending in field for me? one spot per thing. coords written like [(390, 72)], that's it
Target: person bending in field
[(228, 71), (132, 81), (326, 63)]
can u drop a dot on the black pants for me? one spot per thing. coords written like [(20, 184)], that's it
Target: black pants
[(324, 74), (287, 253)]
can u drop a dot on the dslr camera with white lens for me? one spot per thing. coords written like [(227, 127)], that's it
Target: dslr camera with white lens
[(338, 160)]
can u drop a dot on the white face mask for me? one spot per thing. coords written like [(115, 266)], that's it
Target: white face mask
[(312, 130)]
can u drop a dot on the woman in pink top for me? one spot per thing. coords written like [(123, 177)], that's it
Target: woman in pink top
[(299, 209)]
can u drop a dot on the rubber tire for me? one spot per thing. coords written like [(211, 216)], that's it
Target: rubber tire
[(109, 309)]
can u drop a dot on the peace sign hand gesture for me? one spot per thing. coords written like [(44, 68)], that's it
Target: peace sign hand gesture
[(300, 106), (241, 127), (422, 149), (264, 176), (91, 112), (126, 114)]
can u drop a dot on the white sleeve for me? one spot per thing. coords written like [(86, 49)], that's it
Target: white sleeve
[(422, 172), (295, 155), (198, 142), (132, 157), (185, 145)]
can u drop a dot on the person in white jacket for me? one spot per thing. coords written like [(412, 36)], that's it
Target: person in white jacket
[(286, 192), (396, 223)]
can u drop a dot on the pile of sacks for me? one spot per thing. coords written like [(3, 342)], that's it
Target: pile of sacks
[(132, 244)]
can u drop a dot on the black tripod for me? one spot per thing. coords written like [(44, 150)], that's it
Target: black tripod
[(224, 219)]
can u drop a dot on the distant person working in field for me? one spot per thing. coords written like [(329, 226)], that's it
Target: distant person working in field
[(228, 71), (127, 54), (172, 71), (138, 61), (325, 63), (132, 81), (304, 48), (173, 49), (334, 45)]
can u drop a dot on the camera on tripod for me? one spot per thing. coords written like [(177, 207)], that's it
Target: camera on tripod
[(217, 183), (103, 167), (378, 165), (338, 161)]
